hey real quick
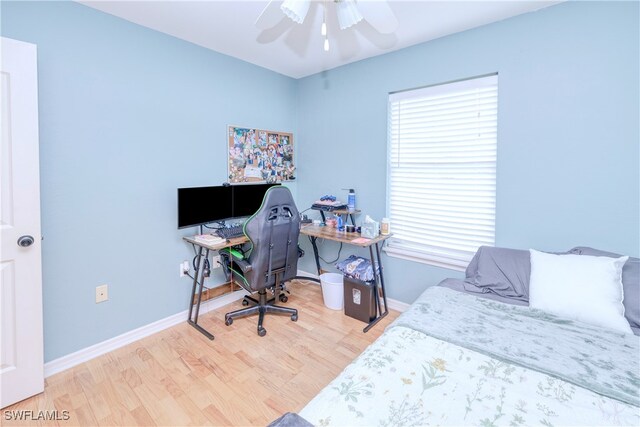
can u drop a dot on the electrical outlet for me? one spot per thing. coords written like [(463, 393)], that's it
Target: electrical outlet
[(184, 268), (102, 293), (217, 262)]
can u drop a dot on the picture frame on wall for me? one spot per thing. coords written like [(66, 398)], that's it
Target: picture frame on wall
[(259, 155)]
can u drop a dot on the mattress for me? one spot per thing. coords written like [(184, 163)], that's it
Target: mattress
[(459, 359)]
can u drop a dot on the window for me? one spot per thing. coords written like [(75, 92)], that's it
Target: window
[(442, 171)]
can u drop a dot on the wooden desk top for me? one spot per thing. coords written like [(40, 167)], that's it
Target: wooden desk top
[(345, 211), (217, 246), (331, 233), (328, 233)]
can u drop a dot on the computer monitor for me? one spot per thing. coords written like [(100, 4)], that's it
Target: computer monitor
[(247, 199), (202, 205)]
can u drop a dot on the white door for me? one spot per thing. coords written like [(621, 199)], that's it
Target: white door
[(21, 351)]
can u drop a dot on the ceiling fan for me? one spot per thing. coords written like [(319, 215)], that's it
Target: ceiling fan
[(349, 12)]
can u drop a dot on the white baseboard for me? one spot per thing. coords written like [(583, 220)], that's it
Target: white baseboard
[(307, 274), (70, 360), (394, 304)]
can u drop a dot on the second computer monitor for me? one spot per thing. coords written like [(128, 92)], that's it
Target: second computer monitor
[(247, 199)]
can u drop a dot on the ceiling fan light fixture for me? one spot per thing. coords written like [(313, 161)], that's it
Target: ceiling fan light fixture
[(296, 10), (348, 13)]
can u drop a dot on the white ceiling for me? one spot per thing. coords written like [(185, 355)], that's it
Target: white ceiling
[(296, 50)]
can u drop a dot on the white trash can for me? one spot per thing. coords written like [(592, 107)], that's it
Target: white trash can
[(332, 290)]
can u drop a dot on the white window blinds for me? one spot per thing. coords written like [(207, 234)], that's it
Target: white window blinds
[(442, 171)]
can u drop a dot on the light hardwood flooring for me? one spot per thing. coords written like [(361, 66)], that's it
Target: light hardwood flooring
[(178, 377)]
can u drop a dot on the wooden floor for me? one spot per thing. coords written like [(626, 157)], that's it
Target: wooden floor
[(178, 377)]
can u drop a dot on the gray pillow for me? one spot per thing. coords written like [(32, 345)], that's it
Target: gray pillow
[(499, 271), (630, 282)]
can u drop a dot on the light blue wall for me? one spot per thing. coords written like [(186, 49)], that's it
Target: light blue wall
[(127, 115), (568, 139)]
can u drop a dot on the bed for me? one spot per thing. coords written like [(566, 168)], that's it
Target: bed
[(472, 353)]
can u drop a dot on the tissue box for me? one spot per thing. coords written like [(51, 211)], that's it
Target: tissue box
[(370, 229)]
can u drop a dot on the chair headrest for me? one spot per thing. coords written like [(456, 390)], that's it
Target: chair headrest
[(276, 196)]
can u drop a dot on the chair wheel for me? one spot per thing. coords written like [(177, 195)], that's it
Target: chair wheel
[(294, 317), (262, 332), (228, 321), (284, 298), (245, 302)]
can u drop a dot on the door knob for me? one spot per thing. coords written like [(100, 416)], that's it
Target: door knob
[(25, 241)]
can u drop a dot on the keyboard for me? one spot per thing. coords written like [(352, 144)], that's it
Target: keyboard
[(230, 232)]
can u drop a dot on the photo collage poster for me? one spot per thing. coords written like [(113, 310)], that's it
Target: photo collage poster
[(257, 155)]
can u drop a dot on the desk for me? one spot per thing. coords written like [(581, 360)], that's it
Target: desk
[(315, 232), (198, 276)]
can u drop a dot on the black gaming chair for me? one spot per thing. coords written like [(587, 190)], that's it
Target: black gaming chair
[(271, 259)]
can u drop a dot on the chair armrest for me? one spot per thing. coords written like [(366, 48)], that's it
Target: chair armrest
[(236, 257), (243, 264)]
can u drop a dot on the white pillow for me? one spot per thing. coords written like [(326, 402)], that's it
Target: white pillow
[(580, 287)]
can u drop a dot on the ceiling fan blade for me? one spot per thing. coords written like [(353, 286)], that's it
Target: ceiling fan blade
[(270, 16), (379, 15)]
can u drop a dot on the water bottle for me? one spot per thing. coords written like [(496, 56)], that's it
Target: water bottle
[(351, 200)]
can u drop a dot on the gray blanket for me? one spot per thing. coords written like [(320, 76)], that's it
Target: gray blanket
[(597, 359)]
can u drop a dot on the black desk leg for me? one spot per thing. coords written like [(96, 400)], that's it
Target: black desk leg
[(198, 275), (195, 281), (206, 256), (379, 313), (375, 283), (384, 292), (315, 252)]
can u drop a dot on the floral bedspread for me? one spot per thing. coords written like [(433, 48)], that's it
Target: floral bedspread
[(409, 378), (601, 360)]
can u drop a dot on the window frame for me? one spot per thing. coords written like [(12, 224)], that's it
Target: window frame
[(436, 256)]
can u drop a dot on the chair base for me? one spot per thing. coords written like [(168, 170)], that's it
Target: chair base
[(261, 307)]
